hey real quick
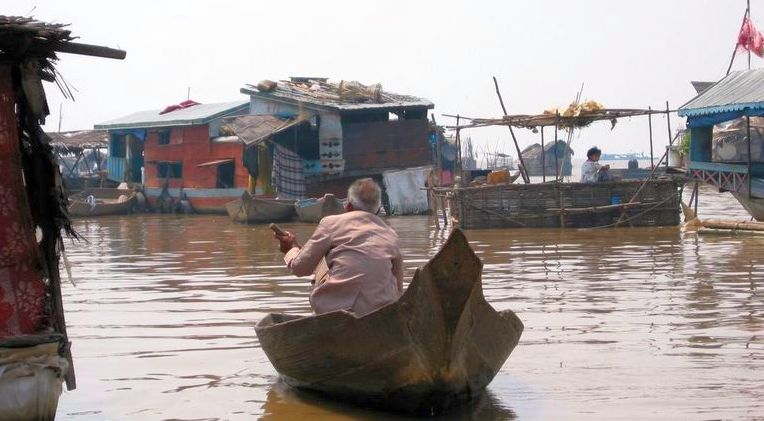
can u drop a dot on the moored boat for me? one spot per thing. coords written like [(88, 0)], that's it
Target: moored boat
[(100, 202), (250, 209), (438, 346), (313, 210)]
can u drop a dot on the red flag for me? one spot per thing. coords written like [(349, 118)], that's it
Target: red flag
[(750, 39)]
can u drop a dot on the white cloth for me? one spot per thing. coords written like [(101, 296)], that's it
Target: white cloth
[(405, 190), (589, 171)]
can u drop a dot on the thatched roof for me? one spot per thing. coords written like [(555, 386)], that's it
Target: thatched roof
[(550, 119), (254, 129), (24, 37), (76, 141)]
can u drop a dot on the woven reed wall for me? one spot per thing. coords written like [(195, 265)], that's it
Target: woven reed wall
[(537, 205)]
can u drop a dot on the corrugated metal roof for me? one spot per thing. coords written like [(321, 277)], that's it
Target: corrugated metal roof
[(700, 86), (197, 114), (735, 92), (319, 93)]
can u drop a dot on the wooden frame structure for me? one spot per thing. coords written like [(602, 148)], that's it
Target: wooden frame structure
[(557, 204)]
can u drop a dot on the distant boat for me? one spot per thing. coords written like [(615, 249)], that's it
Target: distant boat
[(313, 210), (623, 156), (101, 201), (436, 347), (250, 209)]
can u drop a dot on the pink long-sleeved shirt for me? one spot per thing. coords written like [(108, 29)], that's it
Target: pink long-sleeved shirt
[(364, 259)]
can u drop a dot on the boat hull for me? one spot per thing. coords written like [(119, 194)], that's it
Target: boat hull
[(437, 347), (207, 201), (101, 202), (316, 209), (250, 210), (754, 205)]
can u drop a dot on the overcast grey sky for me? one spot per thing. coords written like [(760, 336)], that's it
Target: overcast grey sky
[(627, 54)]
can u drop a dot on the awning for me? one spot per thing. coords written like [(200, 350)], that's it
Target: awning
[(218, 162), (256, 129)]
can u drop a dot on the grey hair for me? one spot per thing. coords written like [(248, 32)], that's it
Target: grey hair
[(364, 194)]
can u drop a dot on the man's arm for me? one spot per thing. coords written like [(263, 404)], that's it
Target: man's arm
[(303, 261)]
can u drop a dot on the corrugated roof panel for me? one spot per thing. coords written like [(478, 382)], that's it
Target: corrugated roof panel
[(197, 114), (735, 92)]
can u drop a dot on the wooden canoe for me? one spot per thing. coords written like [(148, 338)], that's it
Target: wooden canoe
[(101, 201), (249, 209), (313, 210), (437, 347)]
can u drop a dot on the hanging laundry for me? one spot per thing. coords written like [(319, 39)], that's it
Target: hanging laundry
[(288, 173)]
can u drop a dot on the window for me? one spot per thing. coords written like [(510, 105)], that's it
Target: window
[(225, 176), (170, 170), (164, 137)]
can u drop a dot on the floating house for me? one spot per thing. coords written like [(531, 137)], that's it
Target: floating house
[(180, 152), (332, 133), (555, 160), (726, 123)]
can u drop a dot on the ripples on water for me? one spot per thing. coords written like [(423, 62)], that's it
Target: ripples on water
[(640, 323)]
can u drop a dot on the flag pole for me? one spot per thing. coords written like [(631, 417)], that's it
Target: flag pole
[(734, 51)]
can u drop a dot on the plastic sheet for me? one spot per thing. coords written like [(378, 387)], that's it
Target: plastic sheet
[(30, 382), (405, 190)]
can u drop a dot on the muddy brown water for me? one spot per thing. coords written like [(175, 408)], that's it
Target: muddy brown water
[(645, 323)]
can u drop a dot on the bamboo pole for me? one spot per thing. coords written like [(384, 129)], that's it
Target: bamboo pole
[(750, 165), (668, 126), (556, 158), (523, 169), (734, 50), (543, 157), (650, 125), (748, 11), (731, 225)]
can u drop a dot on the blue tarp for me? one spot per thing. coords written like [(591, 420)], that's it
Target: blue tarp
[(139, 133)]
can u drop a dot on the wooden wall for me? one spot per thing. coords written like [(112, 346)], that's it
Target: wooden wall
[(369, 148)]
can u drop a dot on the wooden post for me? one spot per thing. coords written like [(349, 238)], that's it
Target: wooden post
[(543, 157), (697, 196), (650, 125), (458, 164), (750, 166), (668, 126), (523, 169)]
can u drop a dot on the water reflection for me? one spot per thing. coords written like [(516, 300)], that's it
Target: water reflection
[(620, 323), (285, 403)]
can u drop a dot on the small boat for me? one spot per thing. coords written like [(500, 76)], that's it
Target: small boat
[(249, 209), (313, 210), (437, 347), (101, 201)]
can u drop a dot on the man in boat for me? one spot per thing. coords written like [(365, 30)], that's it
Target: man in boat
[(363, 256), (592, 171)]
